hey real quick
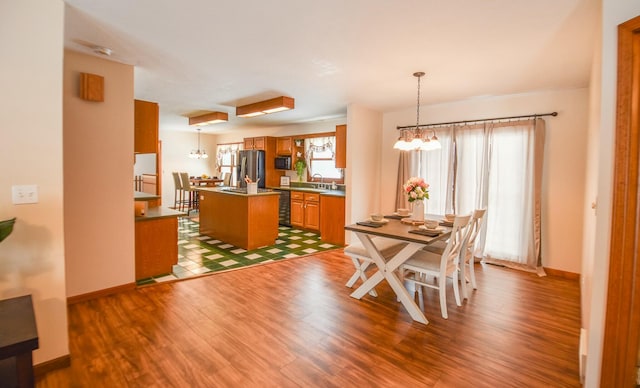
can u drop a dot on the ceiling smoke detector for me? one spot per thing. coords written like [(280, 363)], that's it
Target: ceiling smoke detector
[(102, 50)]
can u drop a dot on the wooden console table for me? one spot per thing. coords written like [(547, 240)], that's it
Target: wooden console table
[(18, 338)]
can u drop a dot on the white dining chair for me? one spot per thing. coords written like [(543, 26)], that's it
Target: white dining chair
[(469, 262), (424, 264), (361, 259)]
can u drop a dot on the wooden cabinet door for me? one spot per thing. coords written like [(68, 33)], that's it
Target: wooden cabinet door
[(146, 116), (259, 143), (332, 219), (283, 146), (248, 143), (341, 146), (312, 215), (297, 213)]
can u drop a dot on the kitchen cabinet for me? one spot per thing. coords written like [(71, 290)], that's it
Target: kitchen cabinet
[(283, 146), (341, 146), (332, 219), (255, 143), (146, 116), (305, 210), (156, 242)]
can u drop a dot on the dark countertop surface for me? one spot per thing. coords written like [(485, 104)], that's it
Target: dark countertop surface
[(226, 190), (335, 193), (153, 213), (140, 196)]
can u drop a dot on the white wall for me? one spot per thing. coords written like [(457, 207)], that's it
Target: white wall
[(285, 130), (176, 146), (614, 12), (362, 175), (32, 259), (98, 171), (565, 158)]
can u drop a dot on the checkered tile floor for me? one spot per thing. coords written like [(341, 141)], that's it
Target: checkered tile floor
[(199, 254)]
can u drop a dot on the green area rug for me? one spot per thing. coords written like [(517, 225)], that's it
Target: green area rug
[(199, 254)]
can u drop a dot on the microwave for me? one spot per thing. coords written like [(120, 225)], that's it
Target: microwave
[(283, 163)]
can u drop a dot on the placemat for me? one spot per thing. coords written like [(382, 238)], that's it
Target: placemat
[(446, 223), (370, 224), (395, 216), (430, 233)]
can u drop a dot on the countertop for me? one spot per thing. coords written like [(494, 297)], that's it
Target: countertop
[(140, 196), (225, 190), (334, 193), (155, 213)]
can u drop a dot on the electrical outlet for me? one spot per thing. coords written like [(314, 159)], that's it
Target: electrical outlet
[(24, 194)]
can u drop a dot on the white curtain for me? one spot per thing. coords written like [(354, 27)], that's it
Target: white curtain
[(497, 166), (434, 167)]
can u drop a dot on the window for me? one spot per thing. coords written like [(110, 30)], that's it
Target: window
[(493, 166), (226, 160), (320, 156)]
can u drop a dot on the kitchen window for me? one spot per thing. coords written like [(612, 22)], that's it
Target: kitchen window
[(320, 155), (226, 160)]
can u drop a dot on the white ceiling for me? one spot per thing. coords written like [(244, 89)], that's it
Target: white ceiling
[(199, 55)]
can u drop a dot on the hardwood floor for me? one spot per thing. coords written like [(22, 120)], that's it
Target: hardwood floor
[(292, 323)]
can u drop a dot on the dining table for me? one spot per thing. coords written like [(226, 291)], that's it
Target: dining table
[(404, 232), (205, 181)]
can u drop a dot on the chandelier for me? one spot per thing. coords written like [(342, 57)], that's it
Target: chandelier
[(418, 137), (199, 153)]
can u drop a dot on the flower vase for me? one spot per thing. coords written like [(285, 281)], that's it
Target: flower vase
[(418, 211)]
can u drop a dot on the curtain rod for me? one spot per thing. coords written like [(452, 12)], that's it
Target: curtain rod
[(479, 121)]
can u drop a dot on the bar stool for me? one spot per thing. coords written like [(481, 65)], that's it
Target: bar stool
[(192, 195), (178, 194)]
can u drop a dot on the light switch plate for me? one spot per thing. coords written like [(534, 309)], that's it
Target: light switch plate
[(24, 194)]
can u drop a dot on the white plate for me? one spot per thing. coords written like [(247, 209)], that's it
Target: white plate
[(383, 221), (436, 229)]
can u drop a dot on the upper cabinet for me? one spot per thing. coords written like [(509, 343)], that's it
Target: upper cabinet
[(283, 146), (341, 146), (145, 127), (255, 143)]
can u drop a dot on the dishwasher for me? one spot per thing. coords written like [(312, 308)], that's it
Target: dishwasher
[(284, 208)]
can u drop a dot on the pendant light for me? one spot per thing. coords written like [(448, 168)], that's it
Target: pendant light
[(417, 138), (199, 153)]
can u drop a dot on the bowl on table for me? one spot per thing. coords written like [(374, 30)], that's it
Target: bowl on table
[(450, 217), (403, 212), (431, 224), (377, 217)]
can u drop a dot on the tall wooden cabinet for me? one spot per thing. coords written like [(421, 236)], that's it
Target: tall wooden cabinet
[(146, 117)]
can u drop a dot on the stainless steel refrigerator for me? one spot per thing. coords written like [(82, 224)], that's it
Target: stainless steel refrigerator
[(251, 163)]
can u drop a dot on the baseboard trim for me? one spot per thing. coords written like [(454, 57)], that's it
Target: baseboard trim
[(51, 365), (562, 274), (100, 293)]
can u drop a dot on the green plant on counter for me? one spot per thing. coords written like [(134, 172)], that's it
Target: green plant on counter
[(300, 165), (6, 227)]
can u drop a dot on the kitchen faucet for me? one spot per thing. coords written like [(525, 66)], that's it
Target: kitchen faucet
[(320, 175)]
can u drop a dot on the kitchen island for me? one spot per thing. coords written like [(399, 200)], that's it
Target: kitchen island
[(248, 221)]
